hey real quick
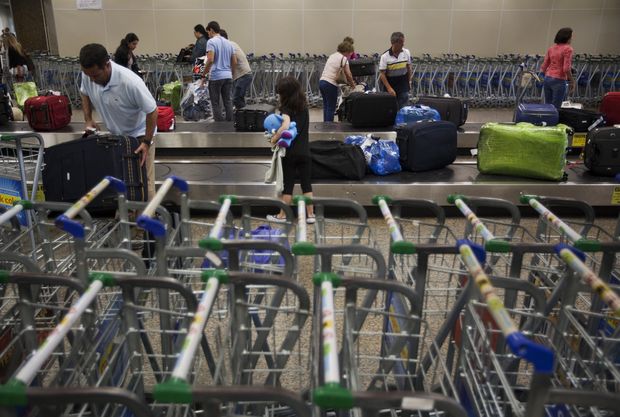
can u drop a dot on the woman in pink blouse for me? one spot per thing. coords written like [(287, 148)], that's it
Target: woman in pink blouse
[(557, 68)]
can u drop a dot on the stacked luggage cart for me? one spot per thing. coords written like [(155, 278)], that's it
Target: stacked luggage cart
[(222, 313), (487, 82)]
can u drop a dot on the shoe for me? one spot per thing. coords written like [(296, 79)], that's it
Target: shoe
[(276, 219), (311, 219)]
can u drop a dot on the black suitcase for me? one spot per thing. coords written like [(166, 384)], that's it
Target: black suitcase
[(602, 151), (362, 66), (251, 117), (451, 109), (73, 168), (371, 110), (580, 120), (333, 159), (426, 145)]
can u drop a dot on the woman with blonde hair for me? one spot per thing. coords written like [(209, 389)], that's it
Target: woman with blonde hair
[(18, 58), (336, 70)]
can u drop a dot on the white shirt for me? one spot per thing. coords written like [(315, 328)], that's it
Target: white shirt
[(123, 103), (395, 66), (332, 67)]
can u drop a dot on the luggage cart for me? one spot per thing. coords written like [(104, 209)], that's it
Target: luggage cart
[(497, 380), (374, 370)]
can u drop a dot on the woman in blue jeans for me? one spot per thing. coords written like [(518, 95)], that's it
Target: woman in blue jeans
[(337, 65), (557, 68)]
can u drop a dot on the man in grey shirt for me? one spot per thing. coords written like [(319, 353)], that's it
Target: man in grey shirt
[(242, 74)]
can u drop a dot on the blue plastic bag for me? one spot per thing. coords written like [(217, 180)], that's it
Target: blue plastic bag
[(412, 114), (265, 257), (385, 157), (355, 140)]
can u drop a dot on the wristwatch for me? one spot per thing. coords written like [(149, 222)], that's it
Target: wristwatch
[(148, 142)]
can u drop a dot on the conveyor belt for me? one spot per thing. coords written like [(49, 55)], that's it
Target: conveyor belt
[(217, 160), (209, 179), (222, 135)]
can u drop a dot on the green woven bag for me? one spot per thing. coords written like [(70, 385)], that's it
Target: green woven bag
[(523, 150), (172, 93)]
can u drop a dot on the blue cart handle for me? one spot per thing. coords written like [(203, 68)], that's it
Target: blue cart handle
[(147, 220)]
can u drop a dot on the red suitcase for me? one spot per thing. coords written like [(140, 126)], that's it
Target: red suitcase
[(48, 112), (610, 107), (165, 119)]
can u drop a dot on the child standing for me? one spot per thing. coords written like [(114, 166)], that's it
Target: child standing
[(294, 108)]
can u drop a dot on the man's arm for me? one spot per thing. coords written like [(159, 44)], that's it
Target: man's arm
[(233, 63), (151, 123), (87, 109), (210, 59), (386, 83)]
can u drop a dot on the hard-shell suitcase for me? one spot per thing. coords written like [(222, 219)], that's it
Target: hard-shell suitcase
[(371, 110), (602, 151), (610, 107), (451, 109), (251, 118), (361, 67), (537, 114), (72, 168), (581, 120), (332, 159), (426, 145), (49, 112), (523, 150)]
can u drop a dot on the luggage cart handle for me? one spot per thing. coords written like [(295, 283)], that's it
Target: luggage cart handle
[(213, 241), (541, 357), (491, 243), (18, 207), (330, 394), (301, 245), (398, 244), (177, 388), (65, 221), (579, 241), (29, 369), (572, 259), (146, 220)]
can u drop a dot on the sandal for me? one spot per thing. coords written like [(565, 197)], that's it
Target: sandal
[(310, 219)]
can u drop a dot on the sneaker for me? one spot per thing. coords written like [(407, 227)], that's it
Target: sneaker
[(276, 219), (311, 219)]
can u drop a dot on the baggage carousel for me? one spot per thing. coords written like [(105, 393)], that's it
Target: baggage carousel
[(217, 160)]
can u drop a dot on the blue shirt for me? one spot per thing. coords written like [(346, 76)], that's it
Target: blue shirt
[(123, 103), (223, 52)]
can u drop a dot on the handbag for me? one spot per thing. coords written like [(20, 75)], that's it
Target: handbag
[(341, 78)]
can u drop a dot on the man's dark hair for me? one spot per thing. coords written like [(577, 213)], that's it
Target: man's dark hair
[(563, 36), (93, 54), (223, 34), (214, 26)]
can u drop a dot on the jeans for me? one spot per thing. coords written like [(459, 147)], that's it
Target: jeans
[(330, 96), (221, 89), (240, 86), (555, 91)]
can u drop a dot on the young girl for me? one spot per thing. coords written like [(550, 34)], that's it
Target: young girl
[(294, 108)]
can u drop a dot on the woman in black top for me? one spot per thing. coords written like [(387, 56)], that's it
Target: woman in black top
[(124, 53), (200, 48), (17, 56), (294, 108)]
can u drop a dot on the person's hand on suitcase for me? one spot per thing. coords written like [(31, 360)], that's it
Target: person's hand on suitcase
[(143, 150), (91, 129)]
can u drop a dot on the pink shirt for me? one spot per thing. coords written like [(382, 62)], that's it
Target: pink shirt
[(558, 61)]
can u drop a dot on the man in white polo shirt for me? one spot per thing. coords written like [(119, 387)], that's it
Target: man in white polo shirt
[(123, 101), (395, 69)]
